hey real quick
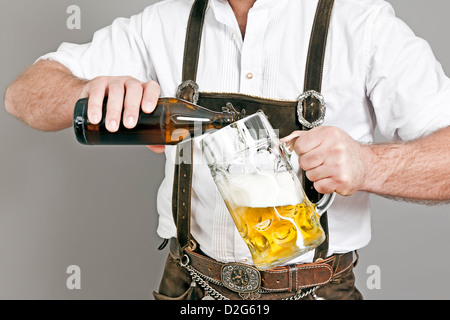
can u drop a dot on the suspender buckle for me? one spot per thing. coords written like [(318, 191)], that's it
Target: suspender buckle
[(188, 91), (316, 98)]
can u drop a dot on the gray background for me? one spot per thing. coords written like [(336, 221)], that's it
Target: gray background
[(64, 204)]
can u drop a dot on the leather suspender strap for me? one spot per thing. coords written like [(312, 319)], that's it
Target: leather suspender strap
[(311, 105), (181, 197), (188, 90), (317, 46)]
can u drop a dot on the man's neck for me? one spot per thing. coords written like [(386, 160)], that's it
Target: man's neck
[(241, 9)]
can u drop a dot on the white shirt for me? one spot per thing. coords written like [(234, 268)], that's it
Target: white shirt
[(376, 72)]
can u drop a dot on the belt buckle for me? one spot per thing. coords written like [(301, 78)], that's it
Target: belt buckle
[(240, 277)]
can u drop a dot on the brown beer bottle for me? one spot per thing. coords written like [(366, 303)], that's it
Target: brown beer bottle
[(172, 121)]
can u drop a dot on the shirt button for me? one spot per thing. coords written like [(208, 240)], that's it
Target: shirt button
[(244, 260), (249, 75)]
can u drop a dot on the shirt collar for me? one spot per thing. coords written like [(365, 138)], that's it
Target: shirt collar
[(258, 3), (224, 14)]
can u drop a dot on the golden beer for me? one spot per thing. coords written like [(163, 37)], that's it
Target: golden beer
[(273, 217)]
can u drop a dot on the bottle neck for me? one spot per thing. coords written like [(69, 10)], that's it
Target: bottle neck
[(226, 117)]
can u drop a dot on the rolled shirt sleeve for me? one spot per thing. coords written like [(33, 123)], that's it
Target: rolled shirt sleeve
[(117, 50), (407, 86)]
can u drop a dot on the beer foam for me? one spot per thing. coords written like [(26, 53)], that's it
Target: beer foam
[(261, 190)]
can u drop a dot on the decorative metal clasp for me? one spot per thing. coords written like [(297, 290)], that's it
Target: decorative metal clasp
[(240, 278), (301, 118), (194, 87), (229, 108)]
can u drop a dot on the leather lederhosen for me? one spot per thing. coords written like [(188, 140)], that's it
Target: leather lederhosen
[(282, 114)]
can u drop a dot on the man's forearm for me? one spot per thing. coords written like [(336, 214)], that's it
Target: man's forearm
[(335, 162), (417, 170), (44, 96)]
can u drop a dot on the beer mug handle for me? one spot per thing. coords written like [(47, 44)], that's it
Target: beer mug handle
[(323, 204)]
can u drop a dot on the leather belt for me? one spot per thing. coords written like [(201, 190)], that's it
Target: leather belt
[(289, 278)]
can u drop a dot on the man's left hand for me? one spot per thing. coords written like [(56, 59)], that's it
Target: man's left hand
[(330, 158)]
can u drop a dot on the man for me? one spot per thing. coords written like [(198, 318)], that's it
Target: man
[(375, 72)]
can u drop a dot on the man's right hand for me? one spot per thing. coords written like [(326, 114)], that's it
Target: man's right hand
[(123, 92)]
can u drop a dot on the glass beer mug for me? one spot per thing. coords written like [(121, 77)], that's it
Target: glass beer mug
[(263, 194)]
